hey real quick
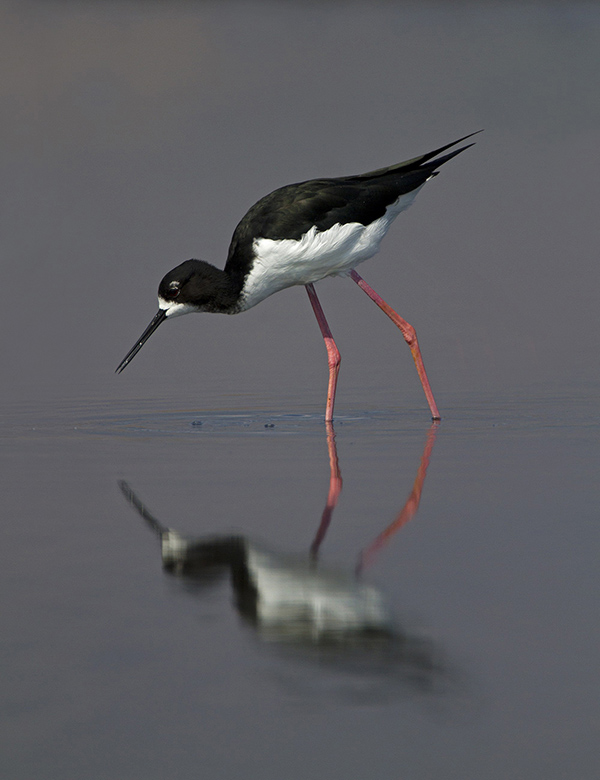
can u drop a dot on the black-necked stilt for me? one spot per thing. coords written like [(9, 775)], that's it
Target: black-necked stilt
[(297, 235)]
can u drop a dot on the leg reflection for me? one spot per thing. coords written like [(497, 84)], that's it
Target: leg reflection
[(408, 511), (335, 488)]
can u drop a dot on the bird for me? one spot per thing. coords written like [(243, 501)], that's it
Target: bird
[(297, 235)]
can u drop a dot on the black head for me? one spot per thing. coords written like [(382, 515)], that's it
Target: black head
[(193, 286)]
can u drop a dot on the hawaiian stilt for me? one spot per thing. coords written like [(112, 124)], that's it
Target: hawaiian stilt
[(300, 234)]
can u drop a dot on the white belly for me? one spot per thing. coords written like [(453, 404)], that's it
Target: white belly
[(285, 262)]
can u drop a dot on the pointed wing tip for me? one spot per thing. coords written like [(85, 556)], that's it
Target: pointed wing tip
[(436, 162), (470, 135)]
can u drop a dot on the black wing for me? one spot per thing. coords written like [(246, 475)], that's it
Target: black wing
[(291, 211)]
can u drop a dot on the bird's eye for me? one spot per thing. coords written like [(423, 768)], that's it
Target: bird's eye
[(174, 289)]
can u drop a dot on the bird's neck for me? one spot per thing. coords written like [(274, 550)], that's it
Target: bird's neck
[(225, 288)]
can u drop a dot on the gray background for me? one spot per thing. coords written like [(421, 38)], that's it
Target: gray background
[(136, 135)]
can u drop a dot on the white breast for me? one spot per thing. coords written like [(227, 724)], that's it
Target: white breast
[(286, 262)]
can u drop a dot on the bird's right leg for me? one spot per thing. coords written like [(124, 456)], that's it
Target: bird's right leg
[(410, 337), (333, 353)]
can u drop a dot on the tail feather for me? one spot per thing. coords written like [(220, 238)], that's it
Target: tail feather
[(418, 162)]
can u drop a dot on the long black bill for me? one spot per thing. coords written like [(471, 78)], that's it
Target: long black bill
[(160, 316)]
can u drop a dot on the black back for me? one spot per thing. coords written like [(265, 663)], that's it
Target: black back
[(290, 211)]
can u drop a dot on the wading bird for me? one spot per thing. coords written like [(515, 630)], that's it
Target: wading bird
[(300, 234)]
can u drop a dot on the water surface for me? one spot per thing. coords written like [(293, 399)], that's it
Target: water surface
[(485, 659)]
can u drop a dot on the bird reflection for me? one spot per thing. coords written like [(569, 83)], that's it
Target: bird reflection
[(293, 600)]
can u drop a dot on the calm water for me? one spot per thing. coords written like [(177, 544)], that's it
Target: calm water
[(480, 658), (198, 578)]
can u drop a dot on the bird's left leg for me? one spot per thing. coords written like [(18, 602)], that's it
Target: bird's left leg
[(333, 354), (410, 337)]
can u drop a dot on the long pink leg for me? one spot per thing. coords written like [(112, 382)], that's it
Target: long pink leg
[(410, 337), (333, 354)]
